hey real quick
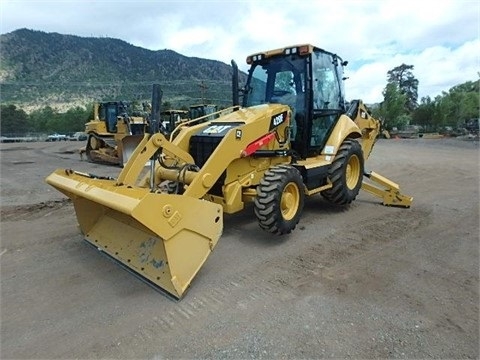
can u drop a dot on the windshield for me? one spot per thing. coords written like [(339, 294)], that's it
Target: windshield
[(277, 80)]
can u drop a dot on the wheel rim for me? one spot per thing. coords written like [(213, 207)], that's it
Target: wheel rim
[(352, 173), (290, 201)]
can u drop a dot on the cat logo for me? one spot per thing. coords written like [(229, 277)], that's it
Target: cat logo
[(216, 129)]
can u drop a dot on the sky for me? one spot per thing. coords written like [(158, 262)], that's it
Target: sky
[(440, 39)]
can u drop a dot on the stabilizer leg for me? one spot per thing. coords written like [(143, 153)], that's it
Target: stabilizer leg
[(390, 193)]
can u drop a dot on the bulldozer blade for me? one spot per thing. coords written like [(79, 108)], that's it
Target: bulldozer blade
[(163, 238), (127, 147)]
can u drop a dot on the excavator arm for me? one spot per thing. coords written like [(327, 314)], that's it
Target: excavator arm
[(368, 125), (376, 184)]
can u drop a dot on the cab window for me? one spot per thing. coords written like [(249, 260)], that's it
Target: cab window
[(326, 85)]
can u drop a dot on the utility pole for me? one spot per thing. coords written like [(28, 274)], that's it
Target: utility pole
[(203, 88)]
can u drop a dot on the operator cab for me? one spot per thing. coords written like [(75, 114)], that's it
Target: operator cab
[(108, 112), (114, 111), (310, 81)]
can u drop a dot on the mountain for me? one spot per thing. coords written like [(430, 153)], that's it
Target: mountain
[(39, 69)]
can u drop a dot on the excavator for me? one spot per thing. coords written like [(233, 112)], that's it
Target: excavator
[(292, 136), (113, 133)]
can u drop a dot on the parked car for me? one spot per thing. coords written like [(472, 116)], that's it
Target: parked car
[(78, 136), (57, 137)]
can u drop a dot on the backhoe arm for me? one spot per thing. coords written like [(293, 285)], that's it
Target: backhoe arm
[(369, 126), (379, 186)]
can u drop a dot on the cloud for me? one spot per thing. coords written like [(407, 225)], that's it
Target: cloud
[(440, 67), (437, 69), (441, 41)]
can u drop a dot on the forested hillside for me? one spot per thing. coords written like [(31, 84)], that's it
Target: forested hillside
[(50, 81), (39, 69)]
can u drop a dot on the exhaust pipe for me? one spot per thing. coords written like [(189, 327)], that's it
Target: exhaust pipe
[(129, 143), (235, 89)]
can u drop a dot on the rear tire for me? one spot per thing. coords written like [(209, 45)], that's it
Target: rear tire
[(346, 174), (280, 199)]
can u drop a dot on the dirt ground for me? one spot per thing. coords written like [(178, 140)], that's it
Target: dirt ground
[(367, 282)]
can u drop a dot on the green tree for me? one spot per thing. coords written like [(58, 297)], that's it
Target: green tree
[(424, 114), (443, 107), (75, 118), (13, 121), (47, 120), (403, 77), (392, 109), (458, 105), (44, 120), (466, 100)]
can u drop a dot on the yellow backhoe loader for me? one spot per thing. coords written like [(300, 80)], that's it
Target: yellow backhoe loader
[(113, 133), (292, 137), (172, 118), (202, 111)]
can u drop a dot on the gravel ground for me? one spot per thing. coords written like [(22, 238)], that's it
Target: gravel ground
[(367, 282)]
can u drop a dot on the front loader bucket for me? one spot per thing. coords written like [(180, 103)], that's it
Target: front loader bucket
[(164, 238)]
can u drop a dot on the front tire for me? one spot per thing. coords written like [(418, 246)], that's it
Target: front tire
[(280, 199), (346, 174)]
